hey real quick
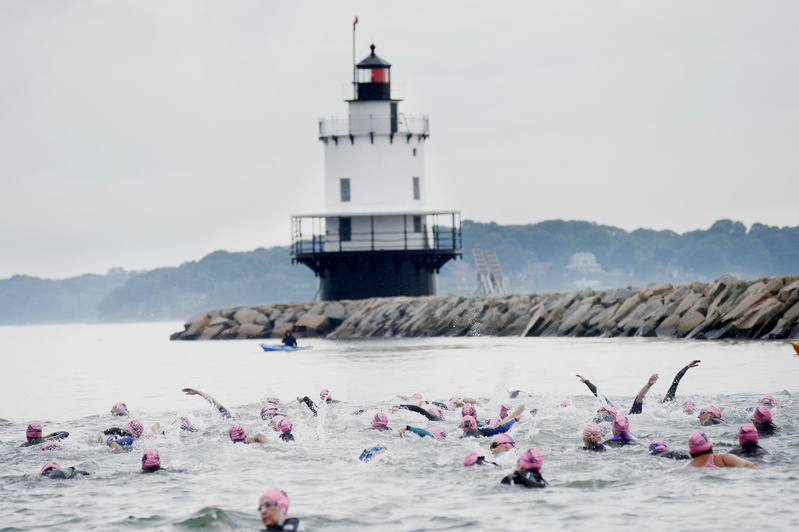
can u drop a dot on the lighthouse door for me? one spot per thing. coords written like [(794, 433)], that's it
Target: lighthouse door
[(393, 117)]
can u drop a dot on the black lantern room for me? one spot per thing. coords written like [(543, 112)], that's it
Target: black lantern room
[(374, 80)]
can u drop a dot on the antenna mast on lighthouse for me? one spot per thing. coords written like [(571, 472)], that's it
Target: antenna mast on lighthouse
[(354, 67)]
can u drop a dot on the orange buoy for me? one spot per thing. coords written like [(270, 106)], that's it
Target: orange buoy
[(796, 347)]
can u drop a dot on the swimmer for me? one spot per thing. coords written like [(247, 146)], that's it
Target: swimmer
[(593, 388), (528, 470), (747, 437), (688, 407), (133, 429), (325, 396), (768, 401), (621, 433), (515, 394), (502, 443), (433, 432), (269, 412), (239, 435), (592, 438), (151, 462), (273, 401), (702, 453), (606, 413), (504, 409), (761, 419), (659, 448), (33, 435), (183, 422), (471, 430), (119, 409), (672, 391), (284, 426), (433, 413), (222, 410), (473, 458), (55, 471), (370, 453), (288, 339), (51, 446), (273, 506), (380, 422), (710, 415), (638, 402), (307, 400)]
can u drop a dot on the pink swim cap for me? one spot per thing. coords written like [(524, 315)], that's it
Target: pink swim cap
[(150, 459), (711, 410), (438, 433), (48, 466), (592, 432), (284, 425), (324, 394), (468, 422), (610, 410), (185, 424), (51, 446), (531, 459), (435, 411), (470, 459), (658, 445), (267, 411), (236, 432), (135, 427), (380, 420), (762, 414), (119, 406), (504, 409), (747, 432), (503, 439), (279, 496), (768, 400), (417, 395), (621, 425), (565, 403), (688, 404), (34, 430), (272, 400), (468, 410), (699, 443), (275, 420)]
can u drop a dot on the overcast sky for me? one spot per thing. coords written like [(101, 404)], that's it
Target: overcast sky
[(141, 134)]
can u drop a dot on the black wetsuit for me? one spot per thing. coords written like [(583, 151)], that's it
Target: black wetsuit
[(286, 436), (419, 410), (593, 389), (750, 449), (309, 404), (64, 473), (528, 478), (604, 417), (672, 391), (38, 440), (593, 446), (767, 429), (291, 524), (118, 432), (674, 455), (620, 440), (289, 340), (713, 421), (481, 460)]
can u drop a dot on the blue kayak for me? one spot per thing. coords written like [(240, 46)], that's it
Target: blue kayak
[(282, 347)]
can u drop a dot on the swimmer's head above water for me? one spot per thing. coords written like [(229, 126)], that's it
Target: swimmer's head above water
[(34, 430), (709, 414), (49, 466), (531, 459), (746, 433), (150, 459), (761, 415), (237, 433), (273, 506), (119, 409), (592, 433), (501, 443), (380, 420)]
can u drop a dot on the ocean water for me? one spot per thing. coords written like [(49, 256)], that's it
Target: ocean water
[(68, 376)]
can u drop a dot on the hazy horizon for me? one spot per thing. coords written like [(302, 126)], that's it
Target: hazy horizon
[(140, 135)]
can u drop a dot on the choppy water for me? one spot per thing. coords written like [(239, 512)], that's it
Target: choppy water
[(68, 377)]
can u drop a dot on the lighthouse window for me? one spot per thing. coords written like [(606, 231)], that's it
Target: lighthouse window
[(417, 224), (345, 188), (417, 193), (345, 229), (414, 152)]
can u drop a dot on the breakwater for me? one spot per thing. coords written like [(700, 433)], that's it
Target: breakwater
[(765, 308)]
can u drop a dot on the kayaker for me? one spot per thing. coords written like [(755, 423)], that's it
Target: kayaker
[(289, 340)]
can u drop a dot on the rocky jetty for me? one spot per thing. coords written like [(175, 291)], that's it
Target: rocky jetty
[(727, 308)]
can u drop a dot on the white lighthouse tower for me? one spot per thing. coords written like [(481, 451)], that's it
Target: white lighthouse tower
[(377, 236)]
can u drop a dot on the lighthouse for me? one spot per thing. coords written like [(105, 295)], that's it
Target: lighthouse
[(377, 236)]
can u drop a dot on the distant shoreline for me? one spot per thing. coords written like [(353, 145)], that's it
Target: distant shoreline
[(762, 309)]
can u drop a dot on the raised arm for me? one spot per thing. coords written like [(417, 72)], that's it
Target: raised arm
[(310, 404), (673, 388), (217, 405), (638, 403)]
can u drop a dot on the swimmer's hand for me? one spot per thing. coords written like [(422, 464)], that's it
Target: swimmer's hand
[(694, 363), (582, 379), (401, 432), (653, 379), (191, 391)]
